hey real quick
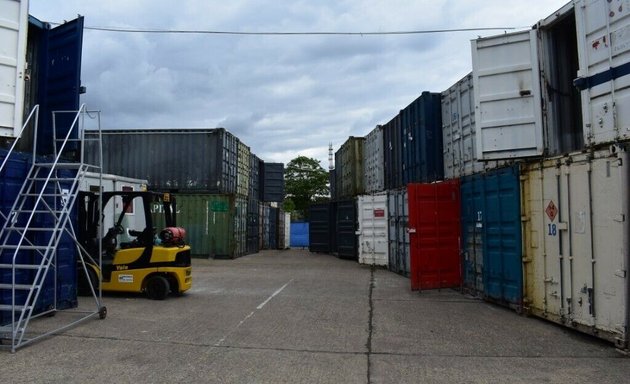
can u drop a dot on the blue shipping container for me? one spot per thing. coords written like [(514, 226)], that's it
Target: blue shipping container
[(491, 235), (392, 136), (422, 157), (299, 235), (11, 181)]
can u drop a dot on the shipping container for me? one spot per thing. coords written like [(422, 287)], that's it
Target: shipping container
[(210, 222), (176, 160), (393, 165), (434, 234), (273, 232), (603, 30), (421, 123), (332, 174), (243, 175), (109, 183), (287, 231), (373, 229), (458, 132), (491, 235), (349, 168), (299, 234), (240, 225), (576, 237), (65, 277), (282, 235), (13, 34), (398, 234), (253, 225), (373, 161), (346, 225), (254, 180), (527, 84), (321, 230), (272, 184)]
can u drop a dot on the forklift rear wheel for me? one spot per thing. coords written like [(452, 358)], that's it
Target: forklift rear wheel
[(157, 287)]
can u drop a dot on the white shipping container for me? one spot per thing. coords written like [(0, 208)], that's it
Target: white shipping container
[(374, 161), (13, 38), (527, 84), (604, 45), (575, 239), (287, 231), (110, 183), (372, 233), (398, 221), (458, 132)]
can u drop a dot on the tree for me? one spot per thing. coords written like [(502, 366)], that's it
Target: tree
[(305, 181)]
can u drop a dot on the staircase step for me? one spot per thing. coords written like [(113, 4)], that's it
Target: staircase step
[(6, 330), (19, 266), (25, 247), (18, 287), (34, 229), (60, 165), (18, 308), (51, 179)]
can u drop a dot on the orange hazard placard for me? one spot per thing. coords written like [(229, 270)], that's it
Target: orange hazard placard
[(551, 210)]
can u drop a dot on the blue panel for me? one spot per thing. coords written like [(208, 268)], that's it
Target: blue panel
[(422, 156), (321, 227), (502, 244), (11, 181), (60, 81), (299, 235), (345, 228), (473, 206), (392, 136), (491, 235)]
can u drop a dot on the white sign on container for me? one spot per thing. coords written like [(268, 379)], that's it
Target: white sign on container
[(372, 233)]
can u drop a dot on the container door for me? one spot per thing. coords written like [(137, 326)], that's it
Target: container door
[(61, 69), (373, 244), (473, 207), (502, 246), (346, 229), (319, 228), (434, 229), (13, 30), (603, 30), (507, 96)]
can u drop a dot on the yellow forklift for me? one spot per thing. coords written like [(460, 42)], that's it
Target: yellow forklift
[(132, 259)]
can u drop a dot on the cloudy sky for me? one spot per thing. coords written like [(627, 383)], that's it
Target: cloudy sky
[(283, 96)]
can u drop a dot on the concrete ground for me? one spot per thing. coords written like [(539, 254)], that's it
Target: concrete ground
[(296, 317)]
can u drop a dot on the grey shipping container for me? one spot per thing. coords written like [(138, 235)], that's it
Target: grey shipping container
[(373, 161), (398, 220), (179, 160), (458, 132), (281, 231), (273, 182), (349, 166)]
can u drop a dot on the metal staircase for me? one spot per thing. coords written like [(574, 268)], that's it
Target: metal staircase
[(32, 232)]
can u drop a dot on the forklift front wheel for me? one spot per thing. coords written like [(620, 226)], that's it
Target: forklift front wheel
[(157, 287), (102, 313)]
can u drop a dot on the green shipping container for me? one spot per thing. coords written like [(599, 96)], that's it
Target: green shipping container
[(212, 224)]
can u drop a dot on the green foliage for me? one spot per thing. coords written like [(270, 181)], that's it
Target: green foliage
[(305, 181)]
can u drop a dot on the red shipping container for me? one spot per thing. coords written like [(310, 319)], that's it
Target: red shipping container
[(434, 234)]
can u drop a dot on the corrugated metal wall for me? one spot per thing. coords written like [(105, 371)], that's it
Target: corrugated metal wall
[(398, 218), (392, 135), (373, 161)]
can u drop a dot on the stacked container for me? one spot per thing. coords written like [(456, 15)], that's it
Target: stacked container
[(349, 168), (392, 136), (373, 161)]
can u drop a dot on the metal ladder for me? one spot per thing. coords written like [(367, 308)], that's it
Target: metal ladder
[(33, 230)]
